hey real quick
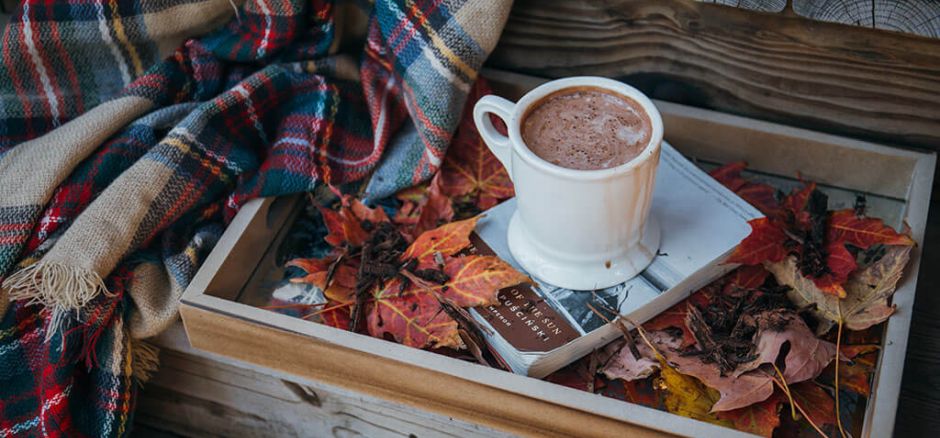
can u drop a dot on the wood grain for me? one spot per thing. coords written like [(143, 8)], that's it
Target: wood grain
[(918, 17), (195, 394), (877, 85)]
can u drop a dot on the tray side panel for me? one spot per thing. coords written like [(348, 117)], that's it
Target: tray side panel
[(388, 379)]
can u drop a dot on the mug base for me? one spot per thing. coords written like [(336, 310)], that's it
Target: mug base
[(583, 274)]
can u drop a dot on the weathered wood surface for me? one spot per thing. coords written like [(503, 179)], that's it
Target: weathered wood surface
[(919, 17), (866, 83), (198, 394)]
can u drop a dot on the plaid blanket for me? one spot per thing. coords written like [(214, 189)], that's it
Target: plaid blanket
[(127, 141)]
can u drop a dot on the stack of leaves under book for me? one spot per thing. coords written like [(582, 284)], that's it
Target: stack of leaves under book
[(765, 336)]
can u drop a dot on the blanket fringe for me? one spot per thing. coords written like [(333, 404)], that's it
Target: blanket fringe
[(145, 359), (60, 288)]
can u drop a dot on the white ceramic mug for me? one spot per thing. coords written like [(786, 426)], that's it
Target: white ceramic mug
[(577, 229)]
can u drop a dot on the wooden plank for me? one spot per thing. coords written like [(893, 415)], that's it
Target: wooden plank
[(197, 396), (877, 85), (313, 362)]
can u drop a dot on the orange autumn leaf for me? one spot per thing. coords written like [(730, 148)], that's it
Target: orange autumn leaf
[(764, 244), (423, 208), (816, 402), (746, 277), (470, 168), (846, 227), (475, 280), (729, 175), (797, 199), (840, 263), (762, 196), (341, 229), (412, 319), (336, 314), (856, 369), (447, 240), (759, 419), (315, 269), (345, 227), (341, 287)]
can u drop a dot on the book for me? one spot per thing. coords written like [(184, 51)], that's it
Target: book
[(537, 328)]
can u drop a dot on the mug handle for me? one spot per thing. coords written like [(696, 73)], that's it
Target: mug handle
[(498, 143)]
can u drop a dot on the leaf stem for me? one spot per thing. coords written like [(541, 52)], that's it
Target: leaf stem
[(786, 390), (803, 412), (321, 311)]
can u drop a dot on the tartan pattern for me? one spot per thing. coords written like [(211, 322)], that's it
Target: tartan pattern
[(258, 107)]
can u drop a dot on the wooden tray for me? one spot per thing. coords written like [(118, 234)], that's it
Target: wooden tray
[(219, 320)]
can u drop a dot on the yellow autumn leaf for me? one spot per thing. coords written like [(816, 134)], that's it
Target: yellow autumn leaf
[(686, 396)]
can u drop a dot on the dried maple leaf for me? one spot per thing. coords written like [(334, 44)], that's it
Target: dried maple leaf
[(475, 280), (856, 369), (336, 314), (729, 175), (759, 419), (345, 227), (797, 200), (627, 367), (746, 277), (805, 359), (414, 319), (470, 169), (863, 232), (765, 243), (447, 240), (687, 396), (641, 392), (867, 291), (762, 196), (424, 207), (816, 402)]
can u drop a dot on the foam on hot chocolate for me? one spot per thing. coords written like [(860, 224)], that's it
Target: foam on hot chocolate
[(586, 129)]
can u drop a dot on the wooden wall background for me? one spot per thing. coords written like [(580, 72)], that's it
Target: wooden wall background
[(856, 81), (867, 69)]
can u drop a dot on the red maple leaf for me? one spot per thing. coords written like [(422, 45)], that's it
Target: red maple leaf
[(846, 227), (746, 277), (760, 418), (764, 244), (345, 226), (424, 207), (729, 175), (762, 196), (815, 401)]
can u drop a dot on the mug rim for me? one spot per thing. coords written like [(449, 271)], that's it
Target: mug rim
[(533, 96)]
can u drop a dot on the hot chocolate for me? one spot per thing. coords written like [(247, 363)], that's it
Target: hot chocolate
[(586, 128)]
